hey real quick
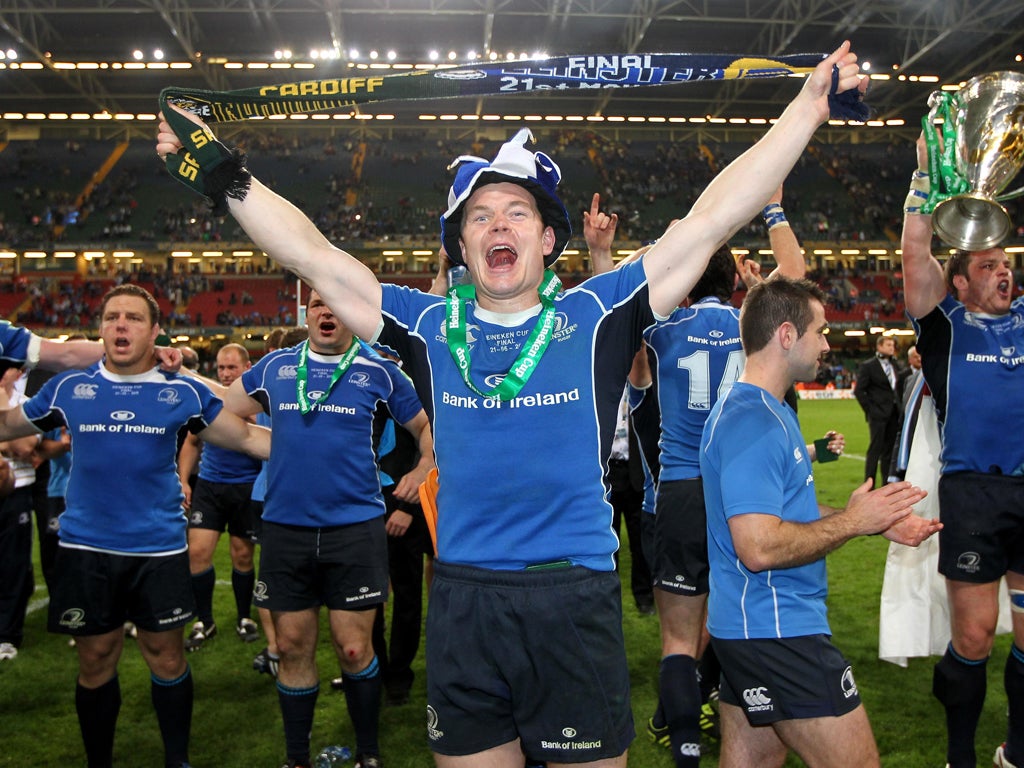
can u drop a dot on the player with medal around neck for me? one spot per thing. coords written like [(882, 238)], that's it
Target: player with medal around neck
[(504, 245)]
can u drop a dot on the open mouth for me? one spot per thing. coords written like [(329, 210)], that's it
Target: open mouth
[(501, 256), (121, 343), (328, 327)]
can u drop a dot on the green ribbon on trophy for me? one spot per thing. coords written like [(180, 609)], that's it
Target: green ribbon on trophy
[(979, 151), (946, 180)]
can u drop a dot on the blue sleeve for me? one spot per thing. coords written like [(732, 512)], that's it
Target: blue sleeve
[(752, 464), (210, 406), (40, 408), (14, 342)]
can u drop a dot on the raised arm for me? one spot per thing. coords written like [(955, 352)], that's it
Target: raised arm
[(292, 240), (599, 233), (789, 257), (923, 283), (739, 192)]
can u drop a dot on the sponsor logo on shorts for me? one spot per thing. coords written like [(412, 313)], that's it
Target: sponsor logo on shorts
[(72, 618), (757, 699), (84, 391), (169, 396), (690, 749), (364, 594), (196, 518), (177, 614), (847, 684), (24, 518), (259, 591), (969, 562), (432, 730), (569, 733)]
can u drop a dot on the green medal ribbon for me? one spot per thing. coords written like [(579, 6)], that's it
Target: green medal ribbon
[(529, 355), (302, 374), (946, 180)]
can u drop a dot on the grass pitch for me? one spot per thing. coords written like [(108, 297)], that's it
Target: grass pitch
[(237, 722)]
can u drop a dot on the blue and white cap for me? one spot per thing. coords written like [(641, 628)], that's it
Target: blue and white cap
[(515, 164)]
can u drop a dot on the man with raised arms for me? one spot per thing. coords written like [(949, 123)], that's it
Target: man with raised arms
[(522, 383)]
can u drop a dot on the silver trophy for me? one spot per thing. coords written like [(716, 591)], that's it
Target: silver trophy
[(988, 119)]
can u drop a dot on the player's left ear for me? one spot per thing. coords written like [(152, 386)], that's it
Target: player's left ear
[(787, 335)]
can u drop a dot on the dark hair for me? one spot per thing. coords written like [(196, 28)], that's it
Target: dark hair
[(719, 278), (294, 336), (955, 265), (273, 340), (130, 289), (773, 302)]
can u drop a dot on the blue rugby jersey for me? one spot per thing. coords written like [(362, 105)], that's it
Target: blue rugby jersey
[(322, 469), (753, 460), (522, 482), (123, 492), (974, 366), (695, 356)]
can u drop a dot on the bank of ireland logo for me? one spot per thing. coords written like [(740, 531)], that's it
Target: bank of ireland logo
[(494, 380), (122, 415), (569, 733), (847, 684), (969, 562), (72, 618), (84, 392), (432, 730), (169, 396), (715, 333), (315, 395), (359, 379)]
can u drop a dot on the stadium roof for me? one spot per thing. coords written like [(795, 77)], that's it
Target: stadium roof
[(949, 40)]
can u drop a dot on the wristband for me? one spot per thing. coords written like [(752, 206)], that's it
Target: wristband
[(917, 195), (774, 216)]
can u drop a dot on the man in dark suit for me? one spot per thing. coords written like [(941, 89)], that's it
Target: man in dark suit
[(879, 391)]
